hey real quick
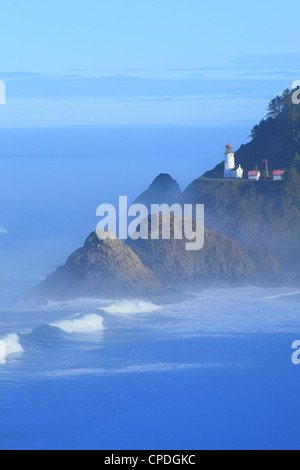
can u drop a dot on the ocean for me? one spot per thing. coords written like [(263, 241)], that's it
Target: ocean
[(211, 372), (214, 371)]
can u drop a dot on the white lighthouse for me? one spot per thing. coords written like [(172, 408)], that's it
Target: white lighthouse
[(230, 170)]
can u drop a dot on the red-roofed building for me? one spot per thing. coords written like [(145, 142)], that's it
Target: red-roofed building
[(254, 175), (278, 175)]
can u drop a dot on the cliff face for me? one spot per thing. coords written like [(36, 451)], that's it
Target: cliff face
[(220, 260), (102, 268), (142, 268), (263, 215)]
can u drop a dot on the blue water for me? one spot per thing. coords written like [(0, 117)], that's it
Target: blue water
[(212, 372)]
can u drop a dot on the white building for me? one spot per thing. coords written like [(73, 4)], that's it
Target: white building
[(278, 175), (254, 175), (230, 170)]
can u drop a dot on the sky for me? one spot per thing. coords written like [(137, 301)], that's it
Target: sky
[(129, 62)]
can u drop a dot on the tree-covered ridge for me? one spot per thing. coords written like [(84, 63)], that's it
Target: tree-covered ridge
[(276, 138), (262, 215)]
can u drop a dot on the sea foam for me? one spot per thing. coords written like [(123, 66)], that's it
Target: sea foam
[(130, 307), (134, 369), (88, 324), (8, 346)]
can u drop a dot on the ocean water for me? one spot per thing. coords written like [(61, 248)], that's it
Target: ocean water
[(214, 371), (211, 372)]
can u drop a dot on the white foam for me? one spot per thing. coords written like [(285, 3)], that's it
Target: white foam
[(128, 307), (135, 369), (287, 294), (8, 346), (87, 324)]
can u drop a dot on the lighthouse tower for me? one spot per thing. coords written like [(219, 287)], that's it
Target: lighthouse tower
[(230, 170), (229, 159)]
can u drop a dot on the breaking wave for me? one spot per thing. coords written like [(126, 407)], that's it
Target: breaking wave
[(87, 324), (130, 307), (8, 346)]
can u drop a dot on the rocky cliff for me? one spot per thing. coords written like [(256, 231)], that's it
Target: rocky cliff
[(164, 189), (101, 268), (220, 260)]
